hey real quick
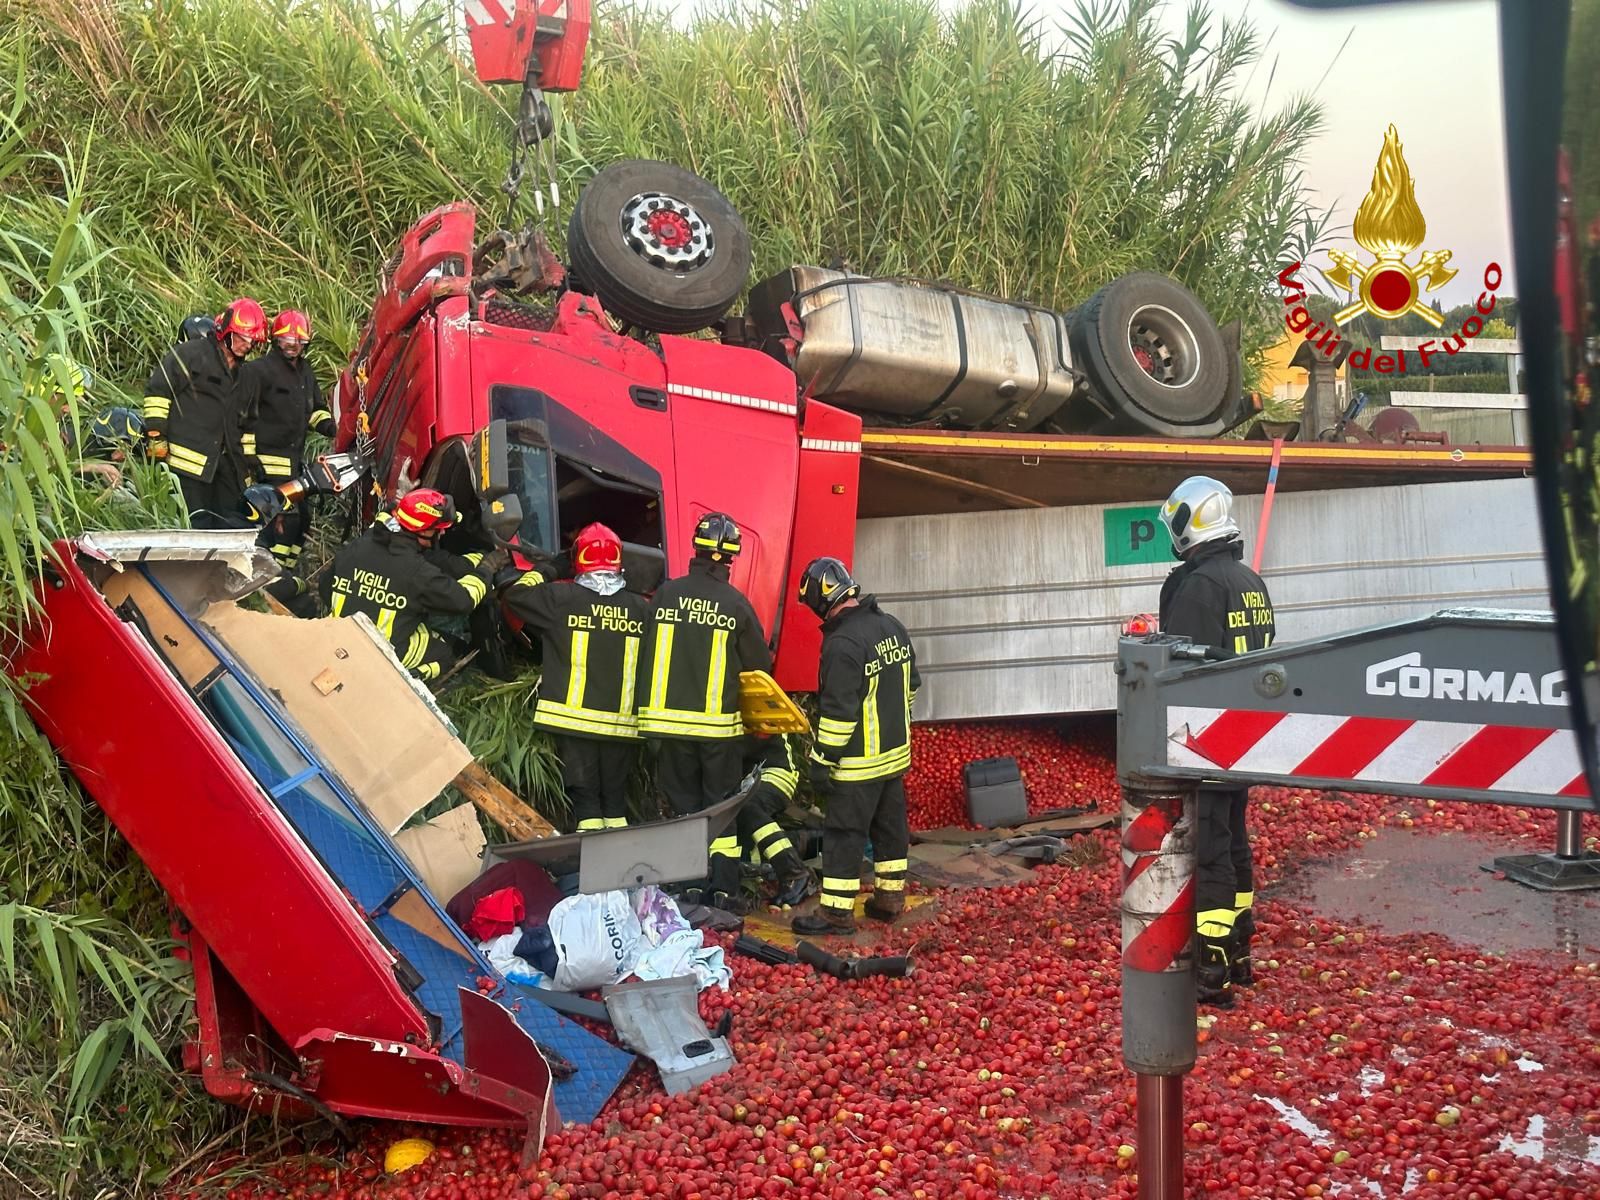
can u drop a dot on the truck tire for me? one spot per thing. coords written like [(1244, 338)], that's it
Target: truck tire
[(1151, 353), (658, 246)]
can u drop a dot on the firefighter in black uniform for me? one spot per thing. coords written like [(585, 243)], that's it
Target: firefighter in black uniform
[(866, 686), (398, 577), (200, 413), (290, 404), (1215, 600), (592, 629), (703, 634), (772, 759)]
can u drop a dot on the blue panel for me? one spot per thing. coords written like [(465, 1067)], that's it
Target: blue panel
[(601, 1065), (368, 866)]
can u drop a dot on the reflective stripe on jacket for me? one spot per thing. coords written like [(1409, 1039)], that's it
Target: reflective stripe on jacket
[(590, 665), (867, 684), (201, 407), (389, 577), (703, 633)]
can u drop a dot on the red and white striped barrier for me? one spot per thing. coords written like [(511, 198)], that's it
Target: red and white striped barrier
[(1451, 754), (1157, 884)]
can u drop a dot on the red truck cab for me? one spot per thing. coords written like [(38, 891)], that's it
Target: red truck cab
[(646, 436)]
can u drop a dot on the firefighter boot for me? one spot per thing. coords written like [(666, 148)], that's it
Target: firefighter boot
[(796, 881), (738, 903), (1241, 972), (826, 921), (886, 905), (1211, 973)]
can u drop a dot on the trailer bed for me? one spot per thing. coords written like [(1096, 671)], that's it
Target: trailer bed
[(911, 472)]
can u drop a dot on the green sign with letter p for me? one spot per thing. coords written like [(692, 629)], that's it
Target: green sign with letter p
[(1135, 536)]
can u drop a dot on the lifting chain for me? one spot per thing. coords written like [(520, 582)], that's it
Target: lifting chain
[(531, 142)]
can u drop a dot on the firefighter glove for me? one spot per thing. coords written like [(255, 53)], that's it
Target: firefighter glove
[(821, 775), (507, 577), (492, 563), (156, 446)]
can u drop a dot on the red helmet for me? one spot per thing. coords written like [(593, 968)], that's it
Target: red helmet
[(596, 548), (423, 509), (244, 317), (291, 323)]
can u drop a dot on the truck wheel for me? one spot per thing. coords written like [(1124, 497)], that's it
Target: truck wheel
[(1150, 349), (658, 246)]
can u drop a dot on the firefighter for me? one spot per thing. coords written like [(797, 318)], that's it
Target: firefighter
[(396, 574), (200, 413), (591, 628), (703, 634), (772, 760), (1215, 600), (290, 404), (114, 435), (196, 328), (866, 686)]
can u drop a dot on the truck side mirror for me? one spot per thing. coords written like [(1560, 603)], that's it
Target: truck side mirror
[(502, 518), (491, 464)]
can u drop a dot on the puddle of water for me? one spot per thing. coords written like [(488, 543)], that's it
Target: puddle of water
[(1298, 1121), (1423, 881), (1566, 1148), (1529, 1146), (1344, 1189)]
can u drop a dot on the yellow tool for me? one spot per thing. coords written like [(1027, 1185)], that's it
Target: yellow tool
[(766, 707)]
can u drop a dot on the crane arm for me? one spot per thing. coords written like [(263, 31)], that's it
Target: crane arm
[(540, 44)]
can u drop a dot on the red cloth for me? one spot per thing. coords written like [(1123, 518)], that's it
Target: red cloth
[(496, 914), (539, 894)]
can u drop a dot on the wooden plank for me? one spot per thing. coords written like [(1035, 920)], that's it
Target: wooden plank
[(501, 805), (191, 659)]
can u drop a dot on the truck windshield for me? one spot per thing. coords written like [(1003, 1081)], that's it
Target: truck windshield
[(532, 476)]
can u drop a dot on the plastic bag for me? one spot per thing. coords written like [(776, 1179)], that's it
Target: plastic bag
[(597, 940), (501, 953), (659, 917)]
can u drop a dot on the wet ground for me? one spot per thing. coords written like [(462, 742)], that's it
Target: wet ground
[(1416, 881)]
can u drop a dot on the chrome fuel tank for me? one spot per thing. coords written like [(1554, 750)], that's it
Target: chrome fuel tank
[(917, 353)]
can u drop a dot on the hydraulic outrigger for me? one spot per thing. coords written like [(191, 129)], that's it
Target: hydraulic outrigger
[(1461, 705)]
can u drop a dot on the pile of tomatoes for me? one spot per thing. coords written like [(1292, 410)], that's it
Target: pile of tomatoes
[(1363, 1062)]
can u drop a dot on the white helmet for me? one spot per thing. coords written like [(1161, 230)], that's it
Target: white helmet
[(1200, 510)]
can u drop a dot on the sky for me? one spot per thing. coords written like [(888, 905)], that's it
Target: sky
[(1431, 67)]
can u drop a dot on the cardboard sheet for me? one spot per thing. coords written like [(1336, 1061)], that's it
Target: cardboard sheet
[(445, 851), (349, 696)]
